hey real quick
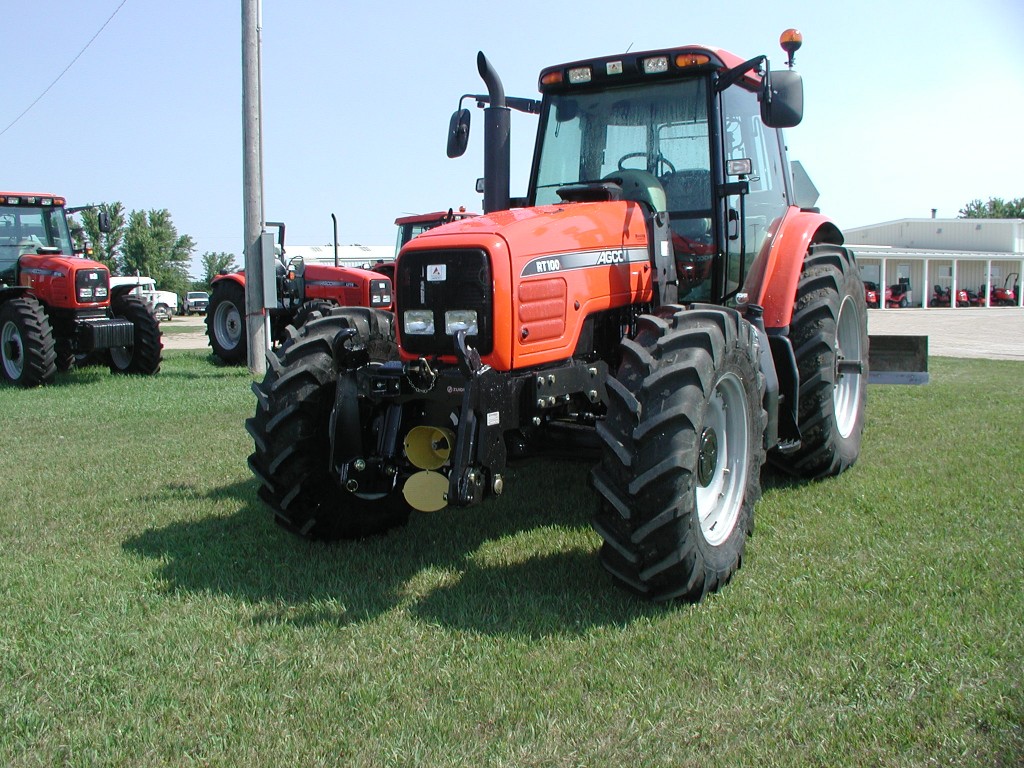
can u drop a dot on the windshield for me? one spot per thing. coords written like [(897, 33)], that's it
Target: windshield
[(659, 129), (24, 229)]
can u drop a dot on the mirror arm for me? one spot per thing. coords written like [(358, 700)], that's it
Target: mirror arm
[(733, 76)]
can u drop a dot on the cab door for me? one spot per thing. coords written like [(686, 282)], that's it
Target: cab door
[(755, 197)]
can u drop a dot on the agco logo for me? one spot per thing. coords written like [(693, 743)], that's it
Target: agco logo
[(611, 257)]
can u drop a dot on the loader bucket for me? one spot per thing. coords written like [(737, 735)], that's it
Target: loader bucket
[(898, 360)]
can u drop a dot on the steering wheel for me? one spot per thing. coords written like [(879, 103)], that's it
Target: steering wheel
[(661, 160)]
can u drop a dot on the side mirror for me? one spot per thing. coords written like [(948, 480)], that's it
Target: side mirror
[(782, 102), (458, 133), (103, 221)]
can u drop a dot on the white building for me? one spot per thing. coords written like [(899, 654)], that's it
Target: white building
[(950, 253), (364, 256)]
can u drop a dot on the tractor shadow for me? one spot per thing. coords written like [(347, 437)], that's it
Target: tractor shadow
[(524, 564)]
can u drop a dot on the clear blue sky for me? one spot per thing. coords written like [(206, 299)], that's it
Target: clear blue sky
[(909, 105)]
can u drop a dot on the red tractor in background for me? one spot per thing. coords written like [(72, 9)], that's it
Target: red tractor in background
[(56, 306), (898, 295), (659, 300), (416, 224), (1005, 296), (302, 289), (943, 297)]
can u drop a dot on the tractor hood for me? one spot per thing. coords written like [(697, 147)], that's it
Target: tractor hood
[(547, 270), (65, 281), (556, 232)]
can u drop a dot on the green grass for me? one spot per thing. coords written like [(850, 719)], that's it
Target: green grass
[(151, 613)]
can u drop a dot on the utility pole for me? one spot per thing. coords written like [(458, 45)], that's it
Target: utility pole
[(252, 189)]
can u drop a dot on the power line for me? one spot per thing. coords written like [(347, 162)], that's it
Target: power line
[(64, 71)]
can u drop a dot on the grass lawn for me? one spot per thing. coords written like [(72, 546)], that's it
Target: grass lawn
[(151, 613)]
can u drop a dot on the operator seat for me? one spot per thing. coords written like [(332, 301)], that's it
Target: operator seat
[(640, 186), (688, 192), (29, 244)]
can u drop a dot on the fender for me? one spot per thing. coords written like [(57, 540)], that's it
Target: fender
[(120, 291), (235, 277), (9, 292), (781, 259)]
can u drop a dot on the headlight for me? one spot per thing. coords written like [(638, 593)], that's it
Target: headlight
[(85, 293), (460, 319), (419, 322), (101, 292)]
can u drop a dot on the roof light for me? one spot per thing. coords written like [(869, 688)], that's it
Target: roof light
[(552, 78), (691, 59), (613, 68), (791, 40), (655, 64), (580, 75)]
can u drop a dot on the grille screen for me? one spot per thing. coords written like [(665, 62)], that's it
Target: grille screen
[(436, 282)]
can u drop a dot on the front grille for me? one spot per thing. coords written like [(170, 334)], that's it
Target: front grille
[(441, 281), (92, 285), (380, 293)]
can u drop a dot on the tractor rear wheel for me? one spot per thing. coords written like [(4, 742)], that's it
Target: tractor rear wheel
[(143, 356), (26, 343), (682, 450), (830, 340), (291, 429), (310, 310), (225, 322)]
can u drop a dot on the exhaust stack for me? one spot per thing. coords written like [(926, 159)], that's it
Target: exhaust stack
[(497, 122)]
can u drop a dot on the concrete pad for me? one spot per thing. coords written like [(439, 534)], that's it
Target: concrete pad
[(994, 333)]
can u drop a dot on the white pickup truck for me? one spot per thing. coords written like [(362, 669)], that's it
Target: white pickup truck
[(163, 304)]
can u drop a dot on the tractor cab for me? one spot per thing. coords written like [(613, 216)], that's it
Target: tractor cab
[(691, 134), (30, 226)]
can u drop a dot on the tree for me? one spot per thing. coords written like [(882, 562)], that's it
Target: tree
[(214, 264), (152, 246), (995, 208), (105, 245)]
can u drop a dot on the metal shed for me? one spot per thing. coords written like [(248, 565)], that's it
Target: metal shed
[(972, 254)]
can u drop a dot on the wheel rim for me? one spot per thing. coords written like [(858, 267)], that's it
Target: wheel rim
[(13, 350), (723, 460), (847, 390), (227, 325), (121, 357)]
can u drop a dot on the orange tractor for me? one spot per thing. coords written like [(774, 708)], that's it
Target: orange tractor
[(658, 299), (302, 289), (56, 306)]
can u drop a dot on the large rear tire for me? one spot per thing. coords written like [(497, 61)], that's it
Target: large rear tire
[(27, 350), (682, 450), (143, 357), (225, 322), (829, 332), (291, 429)]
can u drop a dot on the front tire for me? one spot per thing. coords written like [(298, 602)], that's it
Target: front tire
[(143, 357), (225, 322), (310, 310), (682, 450), (291, 429), (27, 349), (830, 339)]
